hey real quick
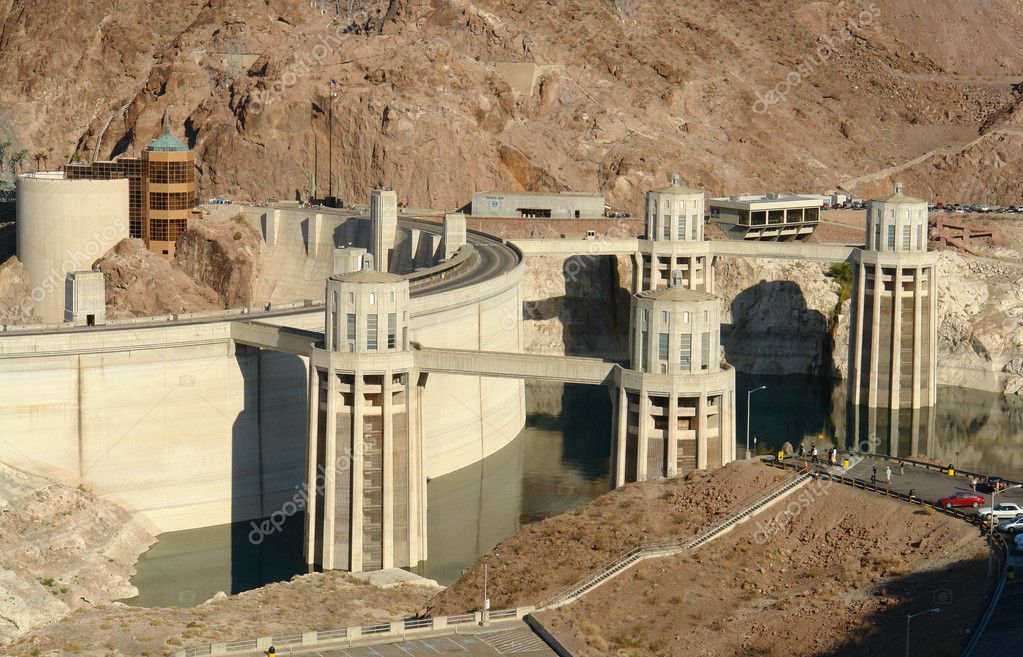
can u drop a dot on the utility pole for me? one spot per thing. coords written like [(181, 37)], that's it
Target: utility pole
[(330, 142)]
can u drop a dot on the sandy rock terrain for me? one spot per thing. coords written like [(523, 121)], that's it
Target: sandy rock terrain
[(61, 549), (837, 578), (141, 283), (543, 558), (319, 601)]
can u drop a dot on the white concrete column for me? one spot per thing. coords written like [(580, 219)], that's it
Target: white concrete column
[(875, 337), (414, 466), (312, 464), (386, 458), (701, 432), (932, 386), (621, 435), (671, 446), (642, 435), (896, 346), (856, 368), (638, 266), (330, 463), (358, 408), (917, 335)]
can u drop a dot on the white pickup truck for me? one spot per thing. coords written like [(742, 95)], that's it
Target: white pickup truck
[(1001, 511)]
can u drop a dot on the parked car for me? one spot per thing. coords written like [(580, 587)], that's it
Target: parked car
[(1019, 542), (1011, 526), (992, 484), (962, 498), (1002, 511)]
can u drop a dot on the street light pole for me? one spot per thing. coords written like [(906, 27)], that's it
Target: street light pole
[(486, 600), (749, 393), (912, 616)]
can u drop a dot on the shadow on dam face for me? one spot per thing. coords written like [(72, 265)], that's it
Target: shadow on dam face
[(268, 471)]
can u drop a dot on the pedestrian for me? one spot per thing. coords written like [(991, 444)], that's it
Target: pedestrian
[(973, 484), (813, 456), (834, 456), (902, 468), (873, 476), (888, 474), (801, 450)]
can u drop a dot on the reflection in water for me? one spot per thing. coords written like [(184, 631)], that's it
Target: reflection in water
[(560, 461), (977, 431)]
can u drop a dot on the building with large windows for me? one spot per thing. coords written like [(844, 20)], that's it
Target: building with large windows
[(161, 189), (780, 217)]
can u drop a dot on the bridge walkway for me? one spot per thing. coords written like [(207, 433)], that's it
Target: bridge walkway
[(568, 369)]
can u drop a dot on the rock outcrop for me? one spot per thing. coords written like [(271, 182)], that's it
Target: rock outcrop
[(221, 255), (141, 283), (61, 549), (776, 316), (15, 293)]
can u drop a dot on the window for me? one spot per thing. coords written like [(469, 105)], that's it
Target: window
[(392, 329), (371, 332), (351, 326), (351, 297), (877, 236), (695, 227), (372, 298), (685, 350), (662, 346), (392, 297), (685, 317), (891, 237), (905, 238), (644, 355), (666, 226), (705, 351), (665, 315), (921, 245), (706, 315), (682, 227), (681, 205)]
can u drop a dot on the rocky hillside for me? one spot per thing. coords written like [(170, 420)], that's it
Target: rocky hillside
[(61, 549), (738, 96), (15, 293)]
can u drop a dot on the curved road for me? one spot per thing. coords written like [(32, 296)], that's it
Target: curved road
[(492, 257)]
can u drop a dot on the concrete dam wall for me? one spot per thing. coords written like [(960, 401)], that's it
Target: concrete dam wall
[(187, 428)]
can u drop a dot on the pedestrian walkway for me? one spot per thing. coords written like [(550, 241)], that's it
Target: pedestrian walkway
[(515, 639)]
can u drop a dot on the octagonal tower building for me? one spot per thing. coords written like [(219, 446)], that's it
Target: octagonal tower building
[(674, 240)]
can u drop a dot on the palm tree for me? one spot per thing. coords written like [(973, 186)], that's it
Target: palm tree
[(39, 157), (16, 158), (46, 158)]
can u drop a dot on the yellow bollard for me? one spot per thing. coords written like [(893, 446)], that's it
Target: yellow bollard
[(845, 462), (951, 471), (781, 455)]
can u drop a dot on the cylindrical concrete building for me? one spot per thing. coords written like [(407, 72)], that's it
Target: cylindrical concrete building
[(65, 226), (365, 443), (674, 240), (675, 407), (893, 354)]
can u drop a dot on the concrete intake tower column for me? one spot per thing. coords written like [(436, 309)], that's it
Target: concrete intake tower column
[(367, 506), (674, 241), (893, 354), (674, 409)]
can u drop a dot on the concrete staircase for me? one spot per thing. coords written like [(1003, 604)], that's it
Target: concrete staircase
[(663, 549)]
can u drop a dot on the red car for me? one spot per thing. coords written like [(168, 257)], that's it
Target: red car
[(962, 498)]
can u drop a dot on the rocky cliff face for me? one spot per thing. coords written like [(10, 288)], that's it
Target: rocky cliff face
[(140, 283), (577, 306), (776, 316), (705, 87), (61, 549), (223, 256)]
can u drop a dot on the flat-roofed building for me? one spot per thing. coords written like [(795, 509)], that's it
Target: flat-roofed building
[(766, 217), (553, 205)]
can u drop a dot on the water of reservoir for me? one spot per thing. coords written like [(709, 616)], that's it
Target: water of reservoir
[(560, 461)]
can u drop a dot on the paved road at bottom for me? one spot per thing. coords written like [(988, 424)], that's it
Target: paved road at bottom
[(517, 640)]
